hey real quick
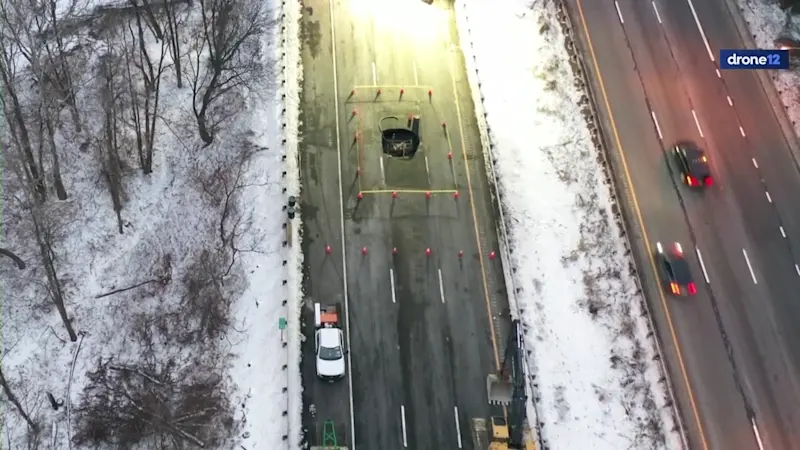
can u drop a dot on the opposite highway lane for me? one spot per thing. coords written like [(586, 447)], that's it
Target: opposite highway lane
[(421, 339), (662, 86)]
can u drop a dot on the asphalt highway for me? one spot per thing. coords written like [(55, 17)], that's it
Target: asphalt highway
[(421, 340), (734, 349)]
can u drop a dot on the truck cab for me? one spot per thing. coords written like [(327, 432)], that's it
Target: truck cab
[(329, 343)]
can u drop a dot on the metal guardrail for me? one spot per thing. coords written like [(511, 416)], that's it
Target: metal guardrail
[(462, 20)]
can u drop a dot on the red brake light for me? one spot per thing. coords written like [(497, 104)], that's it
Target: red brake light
[(708, 181), (692, 288), (690, 180)]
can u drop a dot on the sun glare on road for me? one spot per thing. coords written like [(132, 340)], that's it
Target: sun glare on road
[(410, 18)]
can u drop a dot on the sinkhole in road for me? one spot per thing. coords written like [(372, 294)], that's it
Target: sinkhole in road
[(400, 142)]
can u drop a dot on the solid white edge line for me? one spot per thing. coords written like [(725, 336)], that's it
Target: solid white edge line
[(702, 265), (658, 16), (441, 285), (783, 233), (374, 74), (658, 128), (341, 224), (741, 130), (749, 267), (755, 164), (416, 76), (458, 426), (758, 436), (403, 423), (769, 198), (730, 101), (391, 280), (697, 122), (702, 33), (797, 269), (619, 13)]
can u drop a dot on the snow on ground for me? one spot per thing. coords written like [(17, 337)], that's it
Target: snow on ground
[(597, 386), (263, 368), (768, 22), (170, 226)]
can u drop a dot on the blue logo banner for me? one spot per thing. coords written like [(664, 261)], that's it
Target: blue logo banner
[(753, 59)]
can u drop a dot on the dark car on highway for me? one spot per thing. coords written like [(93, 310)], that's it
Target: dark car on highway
[(693, 165), (674, 270)]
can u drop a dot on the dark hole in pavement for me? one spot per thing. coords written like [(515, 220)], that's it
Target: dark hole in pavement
[(401, 142)]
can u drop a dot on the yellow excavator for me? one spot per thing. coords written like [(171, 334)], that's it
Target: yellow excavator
[(507, 389)]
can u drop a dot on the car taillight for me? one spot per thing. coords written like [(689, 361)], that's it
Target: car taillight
[(708, 181), (692, 288), (675, 288), (690, 180)]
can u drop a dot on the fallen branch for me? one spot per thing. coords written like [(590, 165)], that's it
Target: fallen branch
[(17, 260), (117, 291), (136, 371)]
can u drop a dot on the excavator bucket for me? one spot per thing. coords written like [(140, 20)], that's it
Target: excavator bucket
[(499, 390)]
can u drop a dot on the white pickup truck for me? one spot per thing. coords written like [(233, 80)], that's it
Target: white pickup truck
[(329, 343)]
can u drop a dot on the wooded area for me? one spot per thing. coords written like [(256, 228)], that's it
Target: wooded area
[(88, 84)]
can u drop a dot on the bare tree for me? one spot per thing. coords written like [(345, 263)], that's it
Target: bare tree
[(13, 110), (149, 402), (47, 117), (15, 401), (150, 17), (53, 62), (44, 239), (175, 18), (36, 27), (223, 185), (109, 146), (144, 101), (226, 56)]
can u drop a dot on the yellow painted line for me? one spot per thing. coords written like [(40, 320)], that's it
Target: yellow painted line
[(672, 332), (475, 224), (409, 191), (391, 86), (452, 166)]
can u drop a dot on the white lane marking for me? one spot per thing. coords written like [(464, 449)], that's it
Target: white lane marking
[(741, 130), (441, 286), (403, 421), (655, 121), (758, 436), (719, 75), (797, 269), (769, 198), (702, 33), (416, 76), (658, 16), (755, 163), (391, 279), (619, 13), (374, 74), (458, 426), (783, 233), (697, 122), (749, 267), (427, 170), (383, 171), (730, 100), (702, 264), (341, 227)]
